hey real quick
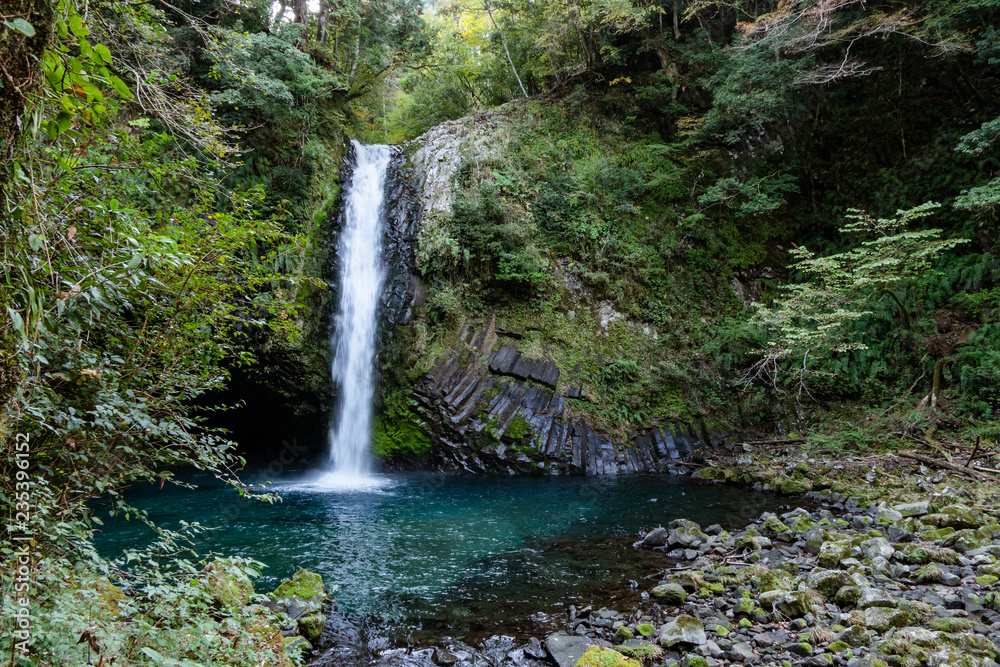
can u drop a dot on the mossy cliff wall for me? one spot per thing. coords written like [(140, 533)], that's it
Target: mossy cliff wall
[(519, 356)]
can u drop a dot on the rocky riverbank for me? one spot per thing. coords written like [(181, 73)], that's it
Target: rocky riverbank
[(847, 583)]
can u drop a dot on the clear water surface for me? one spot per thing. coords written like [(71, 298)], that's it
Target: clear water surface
[(452, 554)]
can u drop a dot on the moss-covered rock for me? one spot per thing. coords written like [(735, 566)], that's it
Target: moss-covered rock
[(960, 516), (297, 646), (683, 630), (951, 624), (311, 625), (828, 582), (791, 604), (226, 583), (303, 584), (832, 552), (597, 656), (773, 524), (856, 635), (640, 650), (881, 619), (670, 593), (646, 629)]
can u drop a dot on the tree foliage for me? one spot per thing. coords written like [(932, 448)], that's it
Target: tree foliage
[(820, 314)]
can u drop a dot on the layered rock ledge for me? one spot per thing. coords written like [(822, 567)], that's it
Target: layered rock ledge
[(490, 409)]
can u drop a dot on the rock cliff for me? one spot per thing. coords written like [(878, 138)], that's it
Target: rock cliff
[(490, 410)]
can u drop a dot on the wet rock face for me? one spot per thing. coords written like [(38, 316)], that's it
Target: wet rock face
[(402, 218), (490, 409)]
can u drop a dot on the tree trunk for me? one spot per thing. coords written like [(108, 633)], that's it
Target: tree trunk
[(357, 53), (587, 57), (503, 40), (324, 20), (301, 12), (19, 71)]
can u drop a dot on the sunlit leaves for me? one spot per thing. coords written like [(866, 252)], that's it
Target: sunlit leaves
[(816, 315)]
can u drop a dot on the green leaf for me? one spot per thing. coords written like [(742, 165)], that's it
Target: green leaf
[(153, 655), (113, 204), (76, 26), (135, 261), (35, 241), (103, 52), (16, 320), (21, 26), (120, 87)]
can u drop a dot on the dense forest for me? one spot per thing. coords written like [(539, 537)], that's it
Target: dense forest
[(798, 198)]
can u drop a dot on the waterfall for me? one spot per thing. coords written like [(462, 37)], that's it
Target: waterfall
[(353, 339)]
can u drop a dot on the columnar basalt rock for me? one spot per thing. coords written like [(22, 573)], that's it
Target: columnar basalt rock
[(491, 409)]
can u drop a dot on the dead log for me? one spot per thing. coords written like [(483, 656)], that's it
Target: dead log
[(938, 463)]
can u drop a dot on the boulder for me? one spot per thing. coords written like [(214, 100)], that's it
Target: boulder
[(655, 538), (298, 645), (682, 630), (875, 597), (597, 656), (565, 649), (912, 509), (684, 536), (670, 593), (792, 604), (832, 552), (881, 619), (304, 585), (877, 546), (856, 635), (311, 626), (226, 582), (848, 596), (886, 513), (828, 582), (960, 516)]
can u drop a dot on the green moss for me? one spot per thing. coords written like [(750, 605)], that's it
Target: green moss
[(951, 624), (774, 524), (987, 580), (623, 634), (596, 656), (645, 629), (226, 583), (311, 626), (399, 432), (745, 623), (519, 429), (303, 584), (645, 651)]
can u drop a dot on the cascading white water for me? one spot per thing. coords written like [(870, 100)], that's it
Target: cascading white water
[(353, 340)]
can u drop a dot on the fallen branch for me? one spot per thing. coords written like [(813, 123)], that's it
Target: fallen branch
[(779, 441), (975, 450), (938, 463)]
